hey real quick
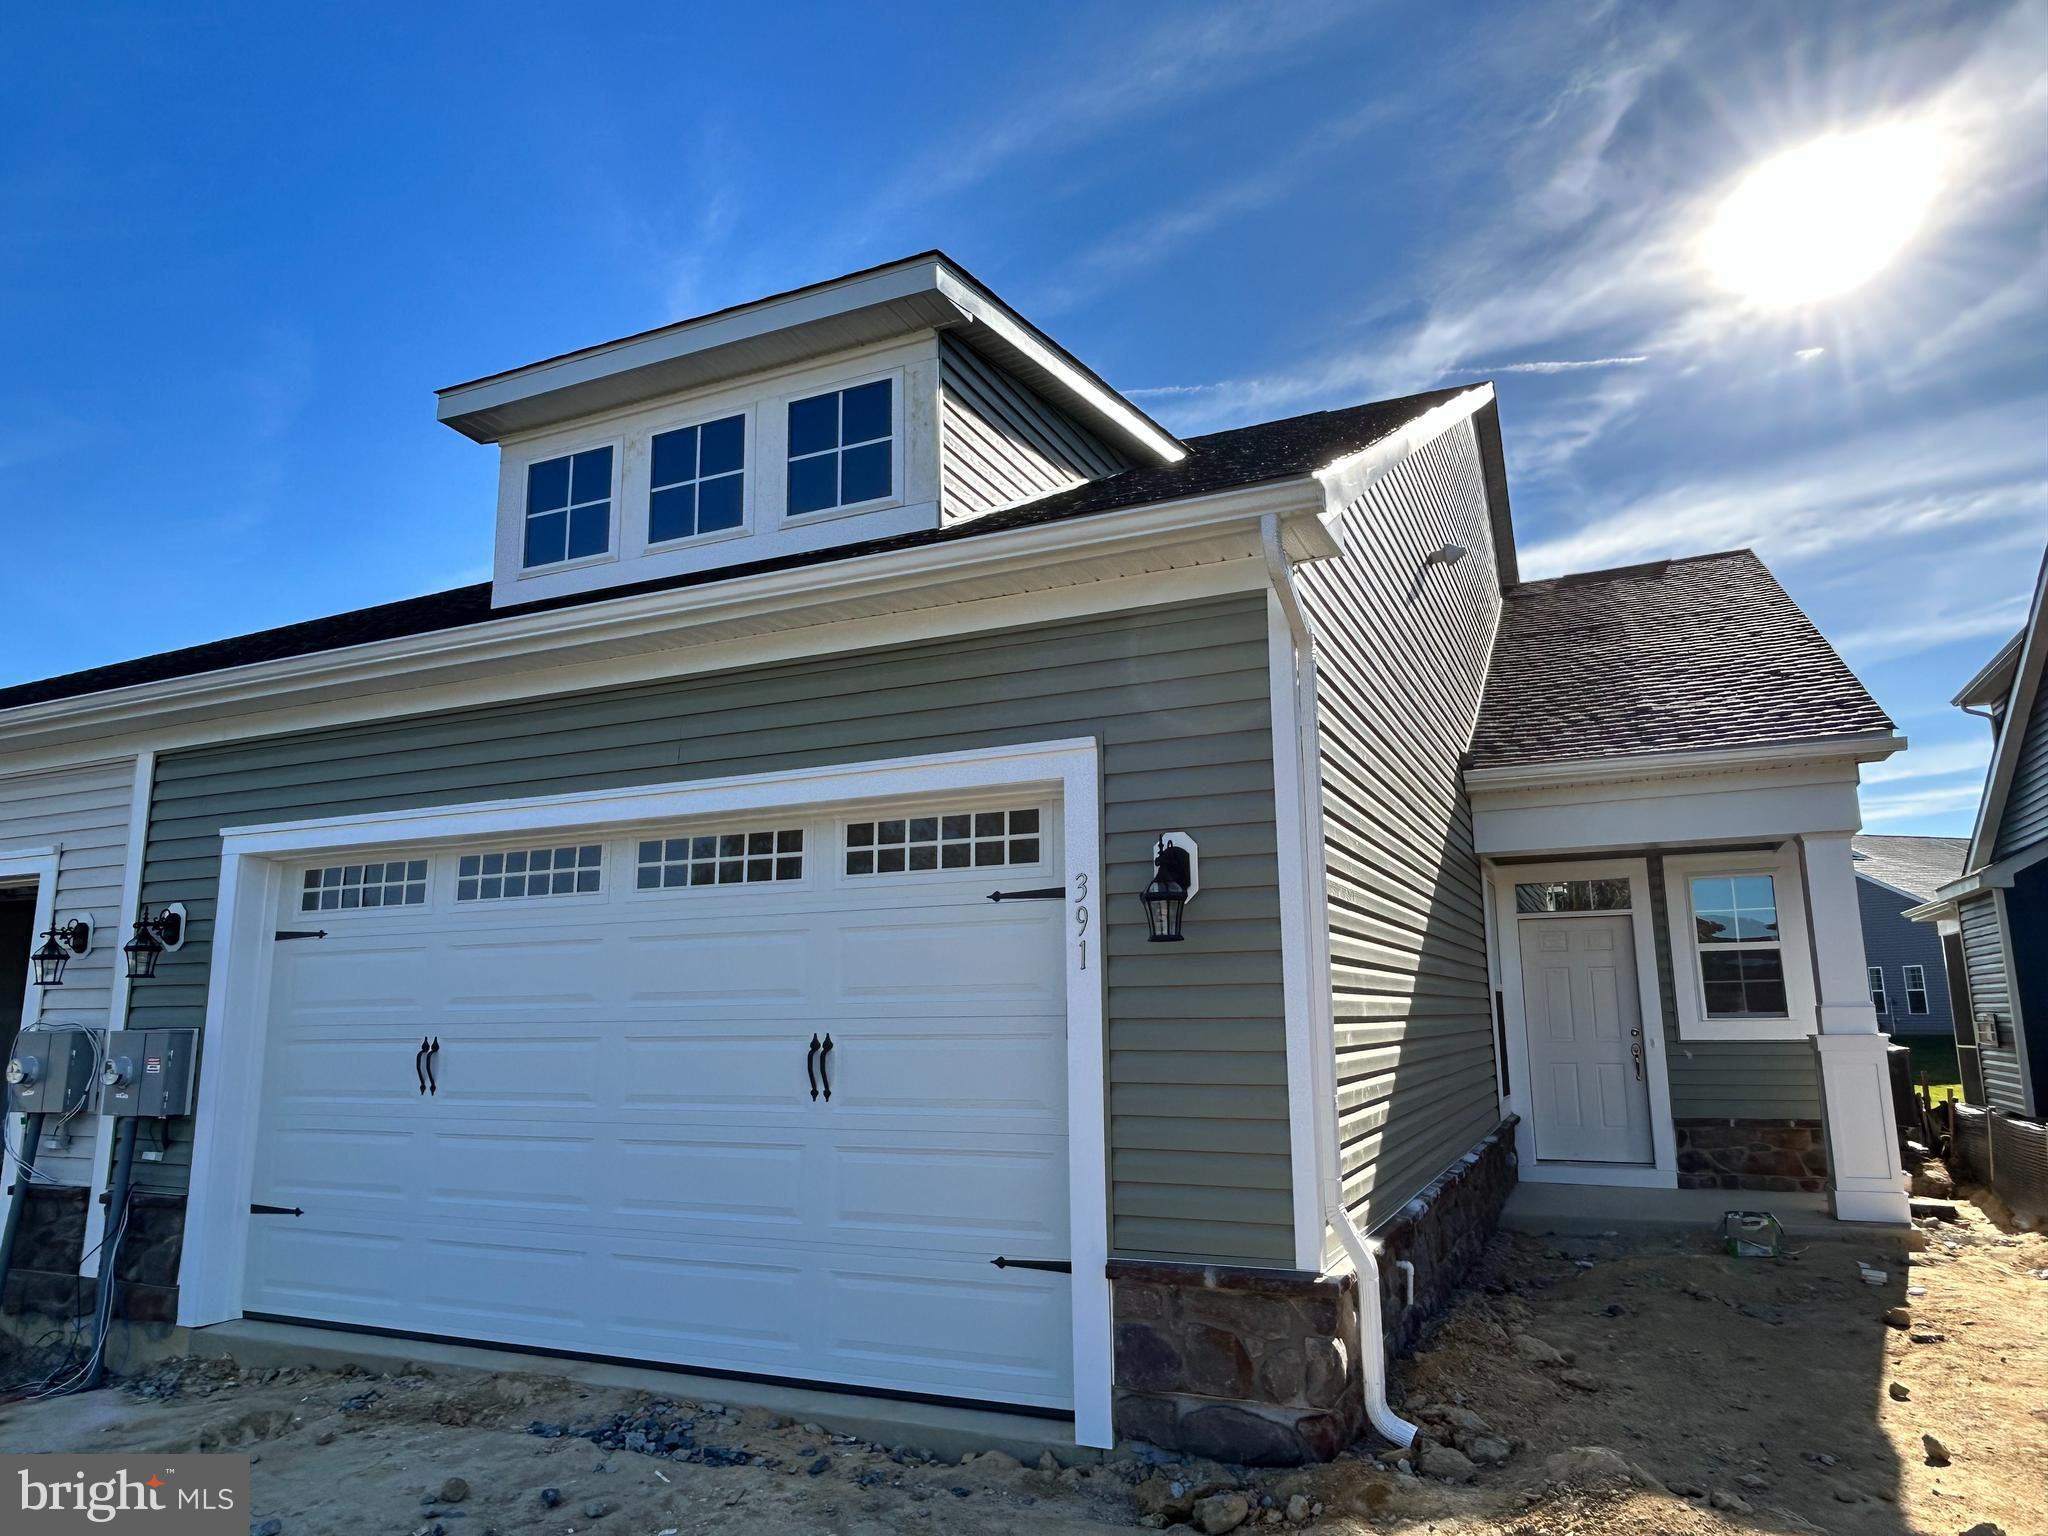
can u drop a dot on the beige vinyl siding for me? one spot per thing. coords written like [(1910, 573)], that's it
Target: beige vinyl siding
[(1177, 696), (83, 813), (1727, 1079), (1001, 444), (1989, 979), (2025, 821), (1401, 660)]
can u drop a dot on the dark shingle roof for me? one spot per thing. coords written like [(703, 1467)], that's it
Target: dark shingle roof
[(1219, 461), (1919, 866), (1672, 656)]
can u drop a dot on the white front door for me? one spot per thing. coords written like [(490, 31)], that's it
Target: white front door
[(626, 1144), (1587, 1067)]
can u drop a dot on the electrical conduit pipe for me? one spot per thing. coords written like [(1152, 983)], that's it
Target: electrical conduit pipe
[(1372, 1345)]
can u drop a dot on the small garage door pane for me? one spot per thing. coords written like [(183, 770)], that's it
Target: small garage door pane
[(624, 1158)]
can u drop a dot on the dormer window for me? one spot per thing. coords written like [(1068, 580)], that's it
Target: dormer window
[(568, 508), (841, 448), (697, 480)]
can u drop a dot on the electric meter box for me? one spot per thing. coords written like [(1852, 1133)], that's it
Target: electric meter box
[(49, 1072), (149, 1073)]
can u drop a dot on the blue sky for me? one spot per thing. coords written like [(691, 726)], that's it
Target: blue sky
[(237, 254)]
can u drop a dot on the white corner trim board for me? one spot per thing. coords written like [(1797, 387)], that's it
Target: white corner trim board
[(1662, 1171), (254, 866), (39, 865)]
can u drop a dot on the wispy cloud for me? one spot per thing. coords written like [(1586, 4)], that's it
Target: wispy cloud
[(1938, 760), (1557, 365), (1918, 803), (1911, 635)]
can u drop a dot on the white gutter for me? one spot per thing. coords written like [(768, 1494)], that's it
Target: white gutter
[(1866, 747), (1372, 1343)]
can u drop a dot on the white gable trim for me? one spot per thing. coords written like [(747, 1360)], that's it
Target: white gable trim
[(2026, 689)]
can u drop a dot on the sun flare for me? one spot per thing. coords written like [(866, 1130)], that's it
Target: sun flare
[(1826, 217)]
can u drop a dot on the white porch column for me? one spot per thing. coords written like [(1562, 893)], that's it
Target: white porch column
[(1856, 1101)]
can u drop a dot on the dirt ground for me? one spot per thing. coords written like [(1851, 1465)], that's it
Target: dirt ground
[(1630, 1386)]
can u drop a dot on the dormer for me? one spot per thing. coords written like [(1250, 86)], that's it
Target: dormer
[(891, 401)]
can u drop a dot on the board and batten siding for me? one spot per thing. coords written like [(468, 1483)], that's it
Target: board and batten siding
[(1989, 979), (1726, 1079), (83, 812), (1401, 655), (2025, 821), (1178, 698), (1000, 444)]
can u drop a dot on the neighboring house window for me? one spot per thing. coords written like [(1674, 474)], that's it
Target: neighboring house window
[(1916, 989), (345, 887), (1877, 1000), (568, 508), (840, 448), (721, 858), (528, 872), (697, 475), (1742, 963)]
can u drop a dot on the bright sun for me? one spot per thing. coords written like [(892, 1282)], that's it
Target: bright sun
[(1821, 219)]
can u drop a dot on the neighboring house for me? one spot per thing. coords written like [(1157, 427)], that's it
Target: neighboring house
[(1908, 973), (602, 958), (1994, 918)]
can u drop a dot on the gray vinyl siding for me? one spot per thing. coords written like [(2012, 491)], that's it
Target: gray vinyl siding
[(1891, 942), (1990, 987), (1001, 444), (1727, 1079), (83, 813), (2025, 821), (1401, 661), (1177, 696)]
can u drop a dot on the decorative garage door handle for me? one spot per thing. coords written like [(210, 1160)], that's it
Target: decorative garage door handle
[(433, 1080), (811, 1068), (825, 1067), (419, 1064)]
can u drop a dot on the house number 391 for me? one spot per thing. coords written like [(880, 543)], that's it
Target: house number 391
[(1081, 916)]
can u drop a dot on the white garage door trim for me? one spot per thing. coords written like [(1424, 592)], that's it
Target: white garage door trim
[(254, 864)]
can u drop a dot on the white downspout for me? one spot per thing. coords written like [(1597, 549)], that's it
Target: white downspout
[(1372, 1347)]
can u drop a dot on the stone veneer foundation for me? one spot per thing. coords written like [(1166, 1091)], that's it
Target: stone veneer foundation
[(43, 1282), (1260, 1366), (1776, 1155)]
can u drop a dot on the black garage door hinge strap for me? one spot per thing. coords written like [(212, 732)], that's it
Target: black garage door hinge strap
[(1043, 893), (300, 933), (275, 1210), (1054, 1266)]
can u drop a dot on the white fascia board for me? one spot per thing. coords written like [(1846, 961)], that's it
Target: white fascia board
[(2012, 730), (794, 594), (690, 336), (983, 309), (1870, 747), (1993, 682), (1346, 479)]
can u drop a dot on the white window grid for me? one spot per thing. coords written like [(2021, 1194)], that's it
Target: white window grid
[(945, 840), (1877, 997), (1916, 989), (720, 858), (1704, 946), (513, 873), (375, 883)]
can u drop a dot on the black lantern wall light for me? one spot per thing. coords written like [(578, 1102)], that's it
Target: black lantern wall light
[(154, 938), (1176, 877), (62, 943)]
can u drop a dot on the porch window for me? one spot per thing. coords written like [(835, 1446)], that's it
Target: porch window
[(1742, 961), (1572, 896), (1877, 999), (1916, 989)]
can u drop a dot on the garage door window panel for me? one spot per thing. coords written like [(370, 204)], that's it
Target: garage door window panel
[(374, 884), (518, 873), (944, 840), (689, 860)]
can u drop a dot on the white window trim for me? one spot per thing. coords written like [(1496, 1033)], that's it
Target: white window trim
[(1782, 864), (790, 519), (611, 549), (749, 469), (1926, 1002), (1662, 1170), (1880, 998), (256, 861)]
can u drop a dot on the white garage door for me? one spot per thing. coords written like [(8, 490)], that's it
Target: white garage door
[(622, 1153)]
